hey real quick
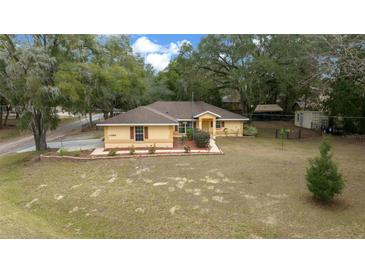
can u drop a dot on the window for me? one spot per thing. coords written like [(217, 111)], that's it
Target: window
[(184, 125), (139, 136), (218, 124)]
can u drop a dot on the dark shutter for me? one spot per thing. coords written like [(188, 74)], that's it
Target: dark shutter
[(211, 124), (176, 128), (146, 132), (131, 133), (222, 124)]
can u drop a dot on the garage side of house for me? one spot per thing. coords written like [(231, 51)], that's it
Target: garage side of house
[(138, 136), (140, 127)]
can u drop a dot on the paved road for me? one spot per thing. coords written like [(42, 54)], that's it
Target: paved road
[(24, 143)]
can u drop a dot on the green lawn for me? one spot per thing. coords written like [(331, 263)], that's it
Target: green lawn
[(255, 190)]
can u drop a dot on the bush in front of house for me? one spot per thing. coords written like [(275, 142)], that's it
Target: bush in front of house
[(323, 178), (250, 131), (64, 152), (201, 138), (112, 152), (152, 149), (187, 148), (189, 134), (182, 139), (132, 150)]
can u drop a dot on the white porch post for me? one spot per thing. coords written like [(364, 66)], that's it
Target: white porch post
[(214, 128)]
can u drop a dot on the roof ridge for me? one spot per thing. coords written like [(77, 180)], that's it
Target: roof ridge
[(160, 113)]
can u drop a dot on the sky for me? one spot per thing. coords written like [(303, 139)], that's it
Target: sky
[(159, 50)]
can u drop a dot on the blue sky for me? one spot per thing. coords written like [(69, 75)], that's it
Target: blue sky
[(159, 49)]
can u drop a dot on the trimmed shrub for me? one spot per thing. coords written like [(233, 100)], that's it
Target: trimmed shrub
[(323, 178), (201, 138), (152, 149), (132, 150), (64, 152), (250, 131), (187, 148), (112, 152), (225, 131), (182, 139), (189, 134)]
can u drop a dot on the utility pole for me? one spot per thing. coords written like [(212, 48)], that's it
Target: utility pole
[(192, 113)]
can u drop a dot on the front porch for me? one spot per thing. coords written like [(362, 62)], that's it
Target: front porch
[(205, 122)]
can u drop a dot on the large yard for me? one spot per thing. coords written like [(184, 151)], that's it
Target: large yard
[(255, 190)]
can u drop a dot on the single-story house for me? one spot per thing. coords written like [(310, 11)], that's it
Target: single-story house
[(311, 119), (159, 122)]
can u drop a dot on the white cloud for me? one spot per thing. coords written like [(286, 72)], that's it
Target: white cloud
[(143, 45), (159, 61), (159, 56)]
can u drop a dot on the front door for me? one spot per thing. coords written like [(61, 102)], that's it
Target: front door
[(205, 126)]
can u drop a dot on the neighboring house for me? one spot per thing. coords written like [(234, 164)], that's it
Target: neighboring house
[(232, 103), (311, 119), (267, 112), (160, 122)]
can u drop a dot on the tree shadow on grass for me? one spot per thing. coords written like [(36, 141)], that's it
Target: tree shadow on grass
[(336, 205)]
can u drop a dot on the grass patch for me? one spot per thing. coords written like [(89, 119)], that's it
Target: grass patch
[(254, 190), (11, 132)]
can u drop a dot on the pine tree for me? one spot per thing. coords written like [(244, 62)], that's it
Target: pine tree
[(323, 178)]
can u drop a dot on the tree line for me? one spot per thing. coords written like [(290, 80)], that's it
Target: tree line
[(322, 72), (88, 73), (81, 73)]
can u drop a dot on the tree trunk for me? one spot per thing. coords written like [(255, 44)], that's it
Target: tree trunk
[(39, 133), (90, 119), (40, 141), (6, 116), (106, 115), (1, 116)]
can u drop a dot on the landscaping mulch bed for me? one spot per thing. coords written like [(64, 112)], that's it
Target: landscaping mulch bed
[(86, 158)]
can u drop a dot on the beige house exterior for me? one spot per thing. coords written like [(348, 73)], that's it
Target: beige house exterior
[(159, 123)]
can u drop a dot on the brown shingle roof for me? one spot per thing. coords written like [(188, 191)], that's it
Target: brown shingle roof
[(140, 115), (169, 112), (185, 109)]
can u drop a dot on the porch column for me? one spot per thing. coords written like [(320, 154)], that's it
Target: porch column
[(200, 126), (214, 128)]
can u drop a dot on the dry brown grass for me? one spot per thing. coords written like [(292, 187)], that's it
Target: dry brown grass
[(254, 190)]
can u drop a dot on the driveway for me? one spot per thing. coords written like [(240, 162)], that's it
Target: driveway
[(53, 137), (70, 145)]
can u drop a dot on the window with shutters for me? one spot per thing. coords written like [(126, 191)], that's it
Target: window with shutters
[(218, 124), (139, 136)]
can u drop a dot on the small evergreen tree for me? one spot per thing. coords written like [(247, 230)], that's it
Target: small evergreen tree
[(323, 178)]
